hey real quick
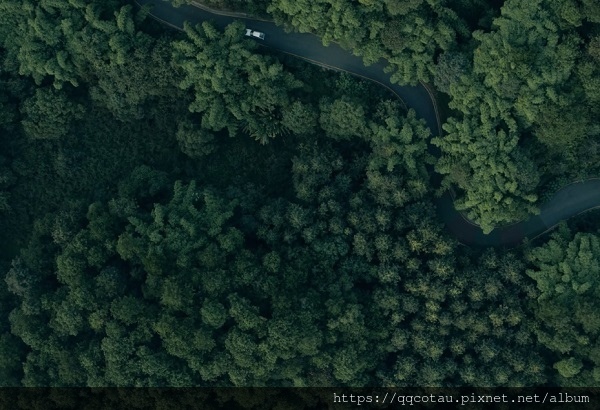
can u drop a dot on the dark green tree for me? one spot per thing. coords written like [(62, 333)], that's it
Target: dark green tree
[(566, 270), (234, 87), (49, 113)]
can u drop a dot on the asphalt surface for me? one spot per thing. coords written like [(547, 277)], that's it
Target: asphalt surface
[(569, 201)]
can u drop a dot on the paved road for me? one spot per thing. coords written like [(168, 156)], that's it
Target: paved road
[(570, 201)]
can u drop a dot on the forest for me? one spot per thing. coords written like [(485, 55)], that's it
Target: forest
[(186, 208)]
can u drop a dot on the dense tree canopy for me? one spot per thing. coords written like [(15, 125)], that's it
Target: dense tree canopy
[(525, 108), (142, 246), (566, 271), (220, 67), (520, 79), (407, 34), (193, 285)]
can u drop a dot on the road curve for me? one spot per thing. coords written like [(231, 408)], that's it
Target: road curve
[(569, 201)]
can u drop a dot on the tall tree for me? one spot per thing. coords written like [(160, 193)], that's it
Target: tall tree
[(49, 113), (497, 181), (566, 270), (234, 87)]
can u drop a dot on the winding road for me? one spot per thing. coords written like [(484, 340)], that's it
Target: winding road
[(569, 201)]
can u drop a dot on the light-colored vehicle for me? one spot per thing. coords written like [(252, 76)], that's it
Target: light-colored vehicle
[(256, 34)]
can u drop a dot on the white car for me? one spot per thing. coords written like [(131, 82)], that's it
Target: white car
[(257, 34)]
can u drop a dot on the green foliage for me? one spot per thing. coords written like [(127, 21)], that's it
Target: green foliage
[(529, 79), (317, 260), (300, 118), (568, 368), (48, 114), (254, 7), (566, 270), (347, 281), (343, 118), (66, 52), (497, 178), (131, 88), (195, 141), (594, 48), (234, 87), (450, 67), (10, 85), (407, 34), (530, 65)]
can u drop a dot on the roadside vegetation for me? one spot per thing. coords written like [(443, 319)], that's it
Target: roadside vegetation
[(187, 209)]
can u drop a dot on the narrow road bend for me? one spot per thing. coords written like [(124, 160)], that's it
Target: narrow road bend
[(569, 201)]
